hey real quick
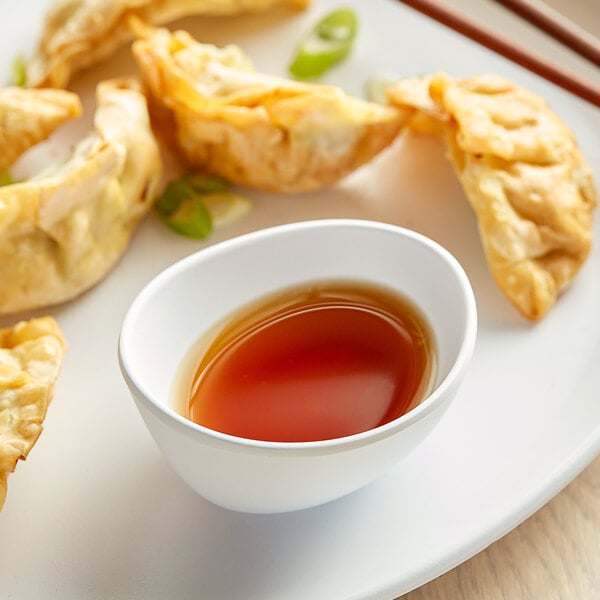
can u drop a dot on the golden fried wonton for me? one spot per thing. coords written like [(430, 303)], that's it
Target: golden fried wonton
[(523, 174), (80, 33), (63, 230), (258, 130), (30, 116), (31, 354)]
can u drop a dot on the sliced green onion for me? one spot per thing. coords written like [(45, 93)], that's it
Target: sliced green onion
[(225, 207), (196, 203), (175, 192), (329, 42), (19, 71), (181, 208), (190, 219), (5, 178)]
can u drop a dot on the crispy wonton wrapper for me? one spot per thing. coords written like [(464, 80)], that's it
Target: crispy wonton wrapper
[(258, 130), (80, 33), (30, 116), (31, 354), (523, 174), (62, 231)]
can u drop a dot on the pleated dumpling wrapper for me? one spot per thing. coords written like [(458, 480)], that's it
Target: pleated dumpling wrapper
[(80, 33), (523, 173), (63, 230), (254, 129), (31, 355), (28, 117)]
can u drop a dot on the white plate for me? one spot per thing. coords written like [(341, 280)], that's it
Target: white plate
[(96, 513)]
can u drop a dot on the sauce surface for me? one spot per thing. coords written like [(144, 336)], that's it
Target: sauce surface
[(317, 362)]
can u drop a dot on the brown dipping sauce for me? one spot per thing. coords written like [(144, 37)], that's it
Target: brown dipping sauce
[(318, 361)]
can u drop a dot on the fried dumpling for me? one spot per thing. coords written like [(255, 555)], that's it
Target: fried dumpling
[(81, 33), (254, 129), (63, 230), (525, 177), (30, 116), (421, 113), (31, 355)]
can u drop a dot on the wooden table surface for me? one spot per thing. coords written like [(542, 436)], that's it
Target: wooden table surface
[(555, 554)]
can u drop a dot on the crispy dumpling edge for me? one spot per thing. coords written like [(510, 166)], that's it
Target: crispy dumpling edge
[(43, 334)]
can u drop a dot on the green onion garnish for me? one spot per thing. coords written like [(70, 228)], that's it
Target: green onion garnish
[(329, 42), (5, 178), (19, 71), (225, 207), (190, 219), (197, 203), (180, 207)]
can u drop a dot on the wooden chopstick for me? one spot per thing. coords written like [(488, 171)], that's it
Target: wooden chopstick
[(559, 27), (519, 55)]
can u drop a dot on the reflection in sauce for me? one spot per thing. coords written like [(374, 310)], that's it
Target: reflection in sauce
[(315, 362)]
